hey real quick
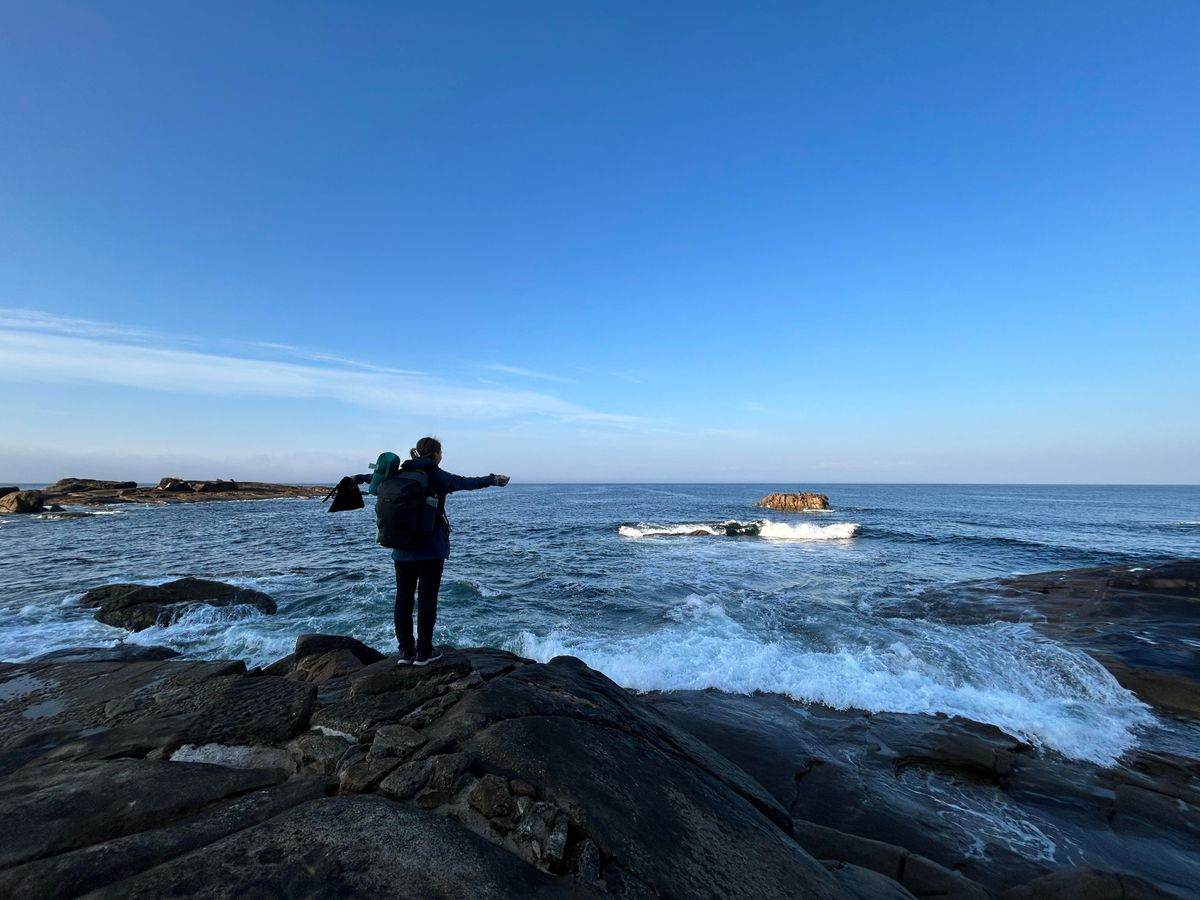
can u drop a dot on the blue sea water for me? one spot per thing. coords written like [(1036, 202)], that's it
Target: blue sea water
[(815, 606)]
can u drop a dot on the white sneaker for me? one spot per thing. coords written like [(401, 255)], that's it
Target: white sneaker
[(419, 661)]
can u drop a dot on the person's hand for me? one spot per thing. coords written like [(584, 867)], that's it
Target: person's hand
[(501, 480)]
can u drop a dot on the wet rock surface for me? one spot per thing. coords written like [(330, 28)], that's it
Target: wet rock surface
[(335, 772), (140, 606), (930, 800), (1138, 621)]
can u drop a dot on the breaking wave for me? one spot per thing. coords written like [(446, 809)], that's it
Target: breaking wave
[(779, 531), (1001, 673)]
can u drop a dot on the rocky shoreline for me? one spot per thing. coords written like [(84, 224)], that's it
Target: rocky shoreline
[(65, 496), (129, 772)]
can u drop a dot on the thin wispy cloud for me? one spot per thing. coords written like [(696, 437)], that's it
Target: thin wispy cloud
[(528, 373), (318, 356), (51, 349), (35, 320)]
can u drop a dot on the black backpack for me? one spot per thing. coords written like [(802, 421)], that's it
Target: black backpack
[(405, 511)]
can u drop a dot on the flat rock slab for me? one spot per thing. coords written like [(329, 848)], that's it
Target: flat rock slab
[(877, 789), (108, 709), (76, 872), (45, 810), (348, 847)]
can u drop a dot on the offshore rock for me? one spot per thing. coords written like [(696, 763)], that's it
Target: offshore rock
[(84, 485), (22, 502), (794, 502), (213, 487), (139, 606), (173, 489), (8, 489)]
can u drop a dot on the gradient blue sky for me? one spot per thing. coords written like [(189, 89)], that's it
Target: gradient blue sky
[(784, 242)]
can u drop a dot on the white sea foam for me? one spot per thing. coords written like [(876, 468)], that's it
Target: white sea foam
[(643, 529), (1000, 673), (783, 531), (777, 531)]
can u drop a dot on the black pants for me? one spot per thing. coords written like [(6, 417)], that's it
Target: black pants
[(422, 579)]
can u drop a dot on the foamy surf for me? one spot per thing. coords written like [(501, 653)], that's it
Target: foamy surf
[(1001, 673), (777, 531)]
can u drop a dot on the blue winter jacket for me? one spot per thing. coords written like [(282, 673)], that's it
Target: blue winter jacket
[(437, 544)]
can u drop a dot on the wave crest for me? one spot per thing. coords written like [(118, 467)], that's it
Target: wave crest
[(1000, 673), (764, 528)]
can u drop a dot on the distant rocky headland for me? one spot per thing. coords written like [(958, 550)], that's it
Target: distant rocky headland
[(130, 772), (74, 492), (798, 502)]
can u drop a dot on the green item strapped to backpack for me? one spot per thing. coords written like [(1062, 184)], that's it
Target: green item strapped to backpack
[(386, 466)]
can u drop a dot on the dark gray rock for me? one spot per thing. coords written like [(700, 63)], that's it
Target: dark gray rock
[(8, 489), (396, 741), (652, 795), (359, 775), (315, 753), (830, 844), (567, 688), (321, 668), (139, 606), (864, 884), (348, 847), (86, 485), (117, 653), (213, 487), (110, 709), (314, 644), (76, 872), (46, 810), (490, 797), (925, 878), (1087, 884)]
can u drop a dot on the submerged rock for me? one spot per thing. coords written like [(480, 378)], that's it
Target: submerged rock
[(139, 606), (794, 502)]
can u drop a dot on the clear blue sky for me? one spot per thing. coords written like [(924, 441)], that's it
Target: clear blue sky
[(792, 242)]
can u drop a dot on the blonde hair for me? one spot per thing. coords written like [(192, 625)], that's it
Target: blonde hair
[(426, 447)]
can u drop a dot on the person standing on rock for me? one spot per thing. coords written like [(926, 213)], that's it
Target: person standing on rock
[(419, 567)]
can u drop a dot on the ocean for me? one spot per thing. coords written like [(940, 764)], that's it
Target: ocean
[(655, 586)]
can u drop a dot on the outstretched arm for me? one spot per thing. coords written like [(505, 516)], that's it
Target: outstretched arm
[(452, 483)]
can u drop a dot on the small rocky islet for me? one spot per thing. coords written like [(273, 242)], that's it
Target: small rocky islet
[(131, 772)]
